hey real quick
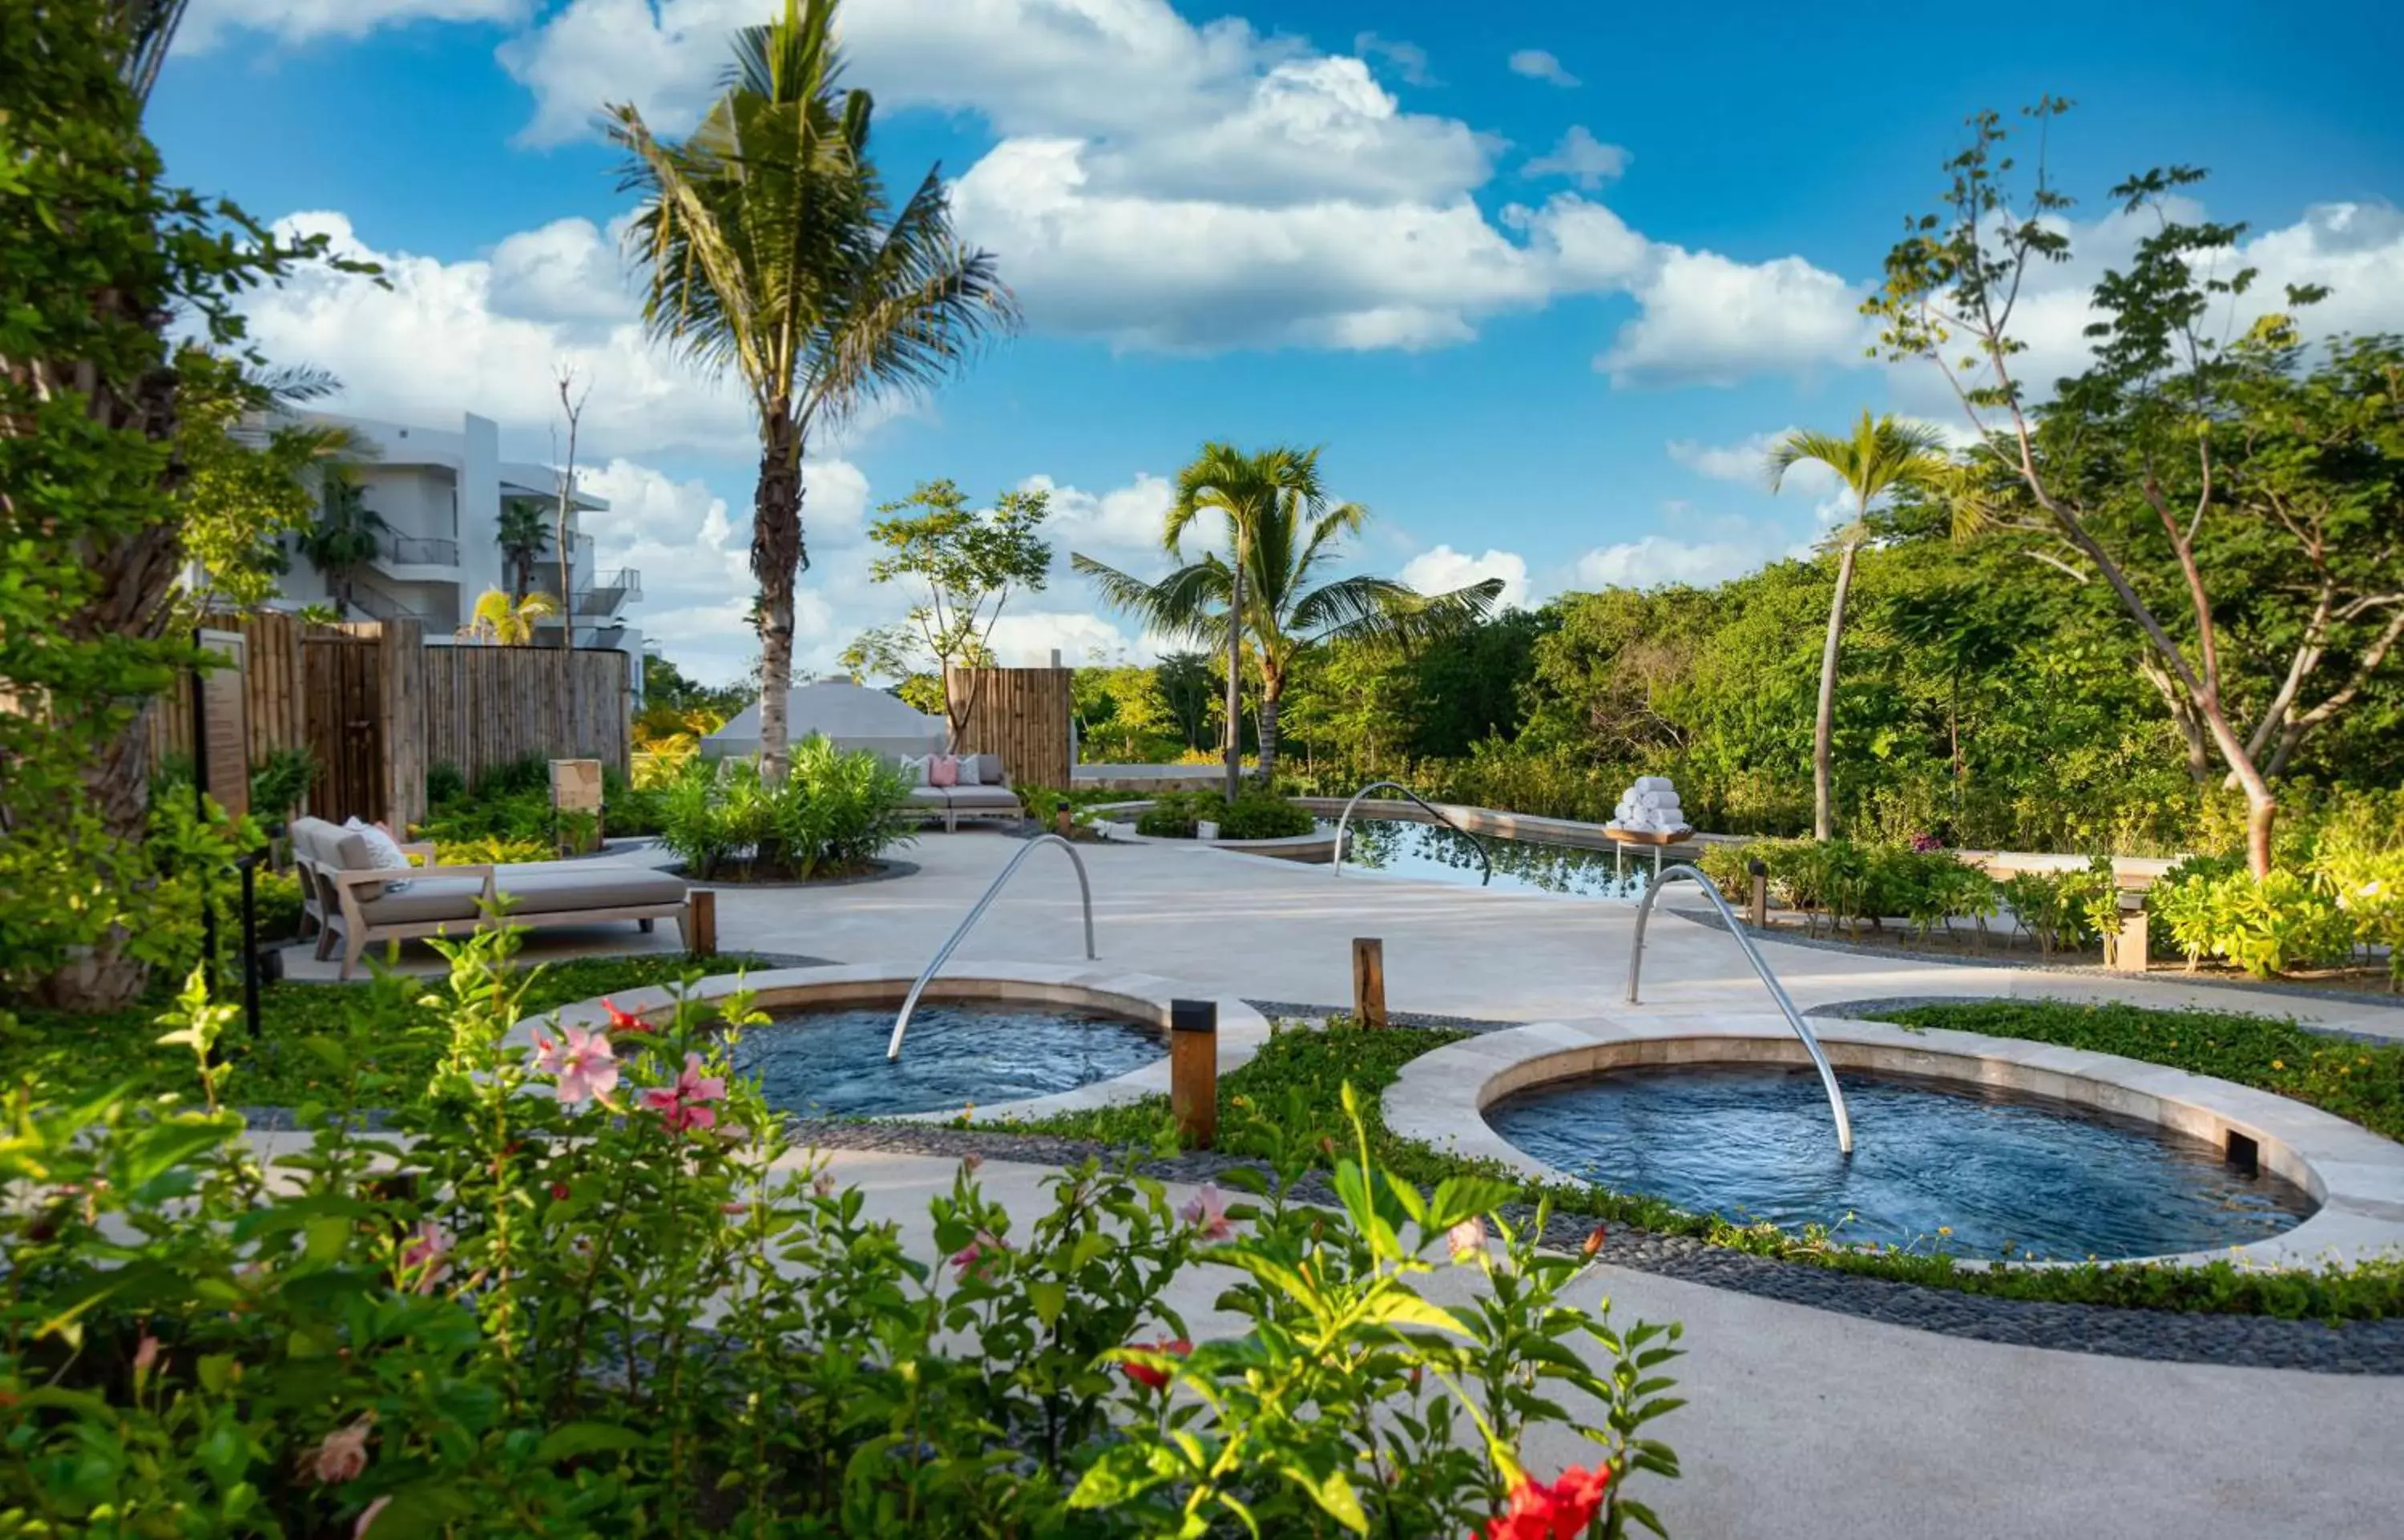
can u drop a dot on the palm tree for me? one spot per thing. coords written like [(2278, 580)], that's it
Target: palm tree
[(1882, 455), (770, 248), (525, 535), (346, 535), (1283, 534), (508, 622)]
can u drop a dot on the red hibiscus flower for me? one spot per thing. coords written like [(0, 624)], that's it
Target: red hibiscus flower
[(624, 1021), (1562, 1511), (1146, 1374)]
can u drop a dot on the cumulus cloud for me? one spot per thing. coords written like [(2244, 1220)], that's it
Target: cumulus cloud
[(487, 336), (1728, 548), (209, 22), (1537, 65), (1708, 319), (1408, 60), (1580, 157), (1441, 569)]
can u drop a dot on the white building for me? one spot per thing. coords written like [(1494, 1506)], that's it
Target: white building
[(440, 492)]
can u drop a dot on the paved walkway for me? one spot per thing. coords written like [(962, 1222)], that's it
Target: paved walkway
[(1802, 1424)]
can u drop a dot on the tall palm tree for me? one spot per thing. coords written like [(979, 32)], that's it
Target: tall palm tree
[(1282, 534), (525, 536), (346, 535), (770, 250), (506, 622), (1882, 455)]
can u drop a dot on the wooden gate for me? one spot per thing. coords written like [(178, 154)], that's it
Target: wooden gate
[(342, 678)]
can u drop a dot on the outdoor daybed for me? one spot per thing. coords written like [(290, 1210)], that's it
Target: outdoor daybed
[(982, 792), (352, 898)]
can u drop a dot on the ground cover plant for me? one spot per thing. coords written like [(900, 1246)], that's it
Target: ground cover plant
[(591, 1287), (1295, 1089), (375, 1026)]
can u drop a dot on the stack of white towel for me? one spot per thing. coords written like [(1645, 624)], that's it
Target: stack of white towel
[(1650, 805)]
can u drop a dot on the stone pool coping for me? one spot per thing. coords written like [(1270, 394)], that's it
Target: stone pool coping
[(1139, 997), (2355, 1175)]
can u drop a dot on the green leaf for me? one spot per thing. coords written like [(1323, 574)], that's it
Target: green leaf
[(572, 1439), (1049, 1300), (1334, 1496), (327, 1235)]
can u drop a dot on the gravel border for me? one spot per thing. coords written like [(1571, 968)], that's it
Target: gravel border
[(2252, 1341)]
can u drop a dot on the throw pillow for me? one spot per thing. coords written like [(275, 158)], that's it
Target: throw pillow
[(943, 770), (989, 771), (913, 769), (385, 853)]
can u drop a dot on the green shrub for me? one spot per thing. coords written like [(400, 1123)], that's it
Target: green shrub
[(627, 809), (279, 781), (545, 1308), (835, 812), (444, 783), (1731, 869), (1253, 815), (2289, 920)]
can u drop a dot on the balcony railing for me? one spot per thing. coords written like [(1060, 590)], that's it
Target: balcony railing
[(412, 551), (380, 606), (609, 591)]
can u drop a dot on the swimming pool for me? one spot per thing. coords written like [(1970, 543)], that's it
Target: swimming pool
[(1434, 853)]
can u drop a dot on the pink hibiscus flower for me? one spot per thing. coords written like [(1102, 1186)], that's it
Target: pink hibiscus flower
[(428, 1256), (586, 1065), (1206, 1211), (976, 1256), (686, 1104)]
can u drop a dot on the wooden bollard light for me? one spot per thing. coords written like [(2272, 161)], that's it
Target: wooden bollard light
[(701, 922), (1194, 1070), (1369, 981), (1757, 912)]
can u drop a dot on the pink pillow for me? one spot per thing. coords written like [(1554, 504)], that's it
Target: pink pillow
[(943, 770)]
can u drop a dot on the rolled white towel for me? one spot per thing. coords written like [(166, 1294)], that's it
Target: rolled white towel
[(1653, 783)]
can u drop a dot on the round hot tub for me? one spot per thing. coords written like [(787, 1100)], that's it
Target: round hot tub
[(996, 1041), (829, 1062), (1939, 1165)]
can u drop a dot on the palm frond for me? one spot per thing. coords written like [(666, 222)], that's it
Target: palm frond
[(1189, 606)]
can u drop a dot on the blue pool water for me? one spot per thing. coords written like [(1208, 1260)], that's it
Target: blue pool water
[(831, 1063), (1434, 853), (2005, 1175)]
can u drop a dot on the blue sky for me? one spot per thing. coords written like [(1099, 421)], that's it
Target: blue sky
[(1539, 276)]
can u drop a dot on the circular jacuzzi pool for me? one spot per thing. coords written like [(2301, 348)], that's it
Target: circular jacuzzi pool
[(1940, 1166), (829, 1062)]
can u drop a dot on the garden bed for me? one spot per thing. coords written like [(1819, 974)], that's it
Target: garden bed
[(844, 877)]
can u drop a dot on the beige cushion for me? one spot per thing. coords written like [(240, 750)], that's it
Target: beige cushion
[(556, 890), (350, 853), (993, 797)]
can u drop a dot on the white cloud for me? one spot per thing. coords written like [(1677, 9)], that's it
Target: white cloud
[(1409, 59), (1121, 526), (1536, 65), (1580, 157), (486, 336), (1027, 638), (1707, 319), (1442, 568), (1730, 549), (209, 22)]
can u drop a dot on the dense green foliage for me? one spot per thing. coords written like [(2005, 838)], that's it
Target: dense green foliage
[(1253, 815), (835, 813), (1299, 1080), (597, 1290)]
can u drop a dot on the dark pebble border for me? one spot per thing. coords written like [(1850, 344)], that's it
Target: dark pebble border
[(2251, 1341)]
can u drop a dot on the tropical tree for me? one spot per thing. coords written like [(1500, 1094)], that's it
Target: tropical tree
[(1283, 536), (526, 536), (1881, 457), (969, 560), (345, 535), (507, 622), (770, 249)]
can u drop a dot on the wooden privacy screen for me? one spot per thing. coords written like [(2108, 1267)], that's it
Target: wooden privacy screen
[(377, 708), (489, 705), (224, 757), (1021, 714)]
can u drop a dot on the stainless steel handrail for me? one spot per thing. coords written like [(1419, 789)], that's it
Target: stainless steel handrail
[(1433, 811), (1085, 889), (1768, 980)]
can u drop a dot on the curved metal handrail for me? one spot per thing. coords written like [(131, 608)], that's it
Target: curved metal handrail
[(1768, 980), (1433, 810), (1084, 890)]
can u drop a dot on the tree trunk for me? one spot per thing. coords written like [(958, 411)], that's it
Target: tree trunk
[(1272, 735), (1824, 730), (776, 559), (1236, 668)]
